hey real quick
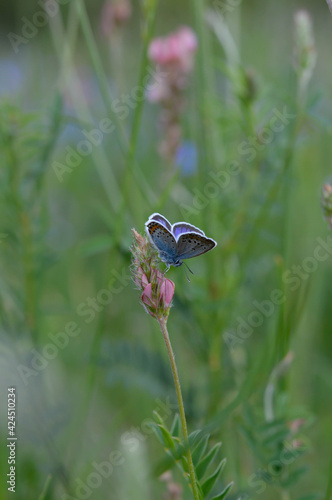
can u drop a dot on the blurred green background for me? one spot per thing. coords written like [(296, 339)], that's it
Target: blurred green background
[(64, 241)]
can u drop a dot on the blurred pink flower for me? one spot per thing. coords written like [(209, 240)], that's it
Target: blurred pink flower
[(295, 425), (158, 91), (176, 50), (114, 14), (174, 55)]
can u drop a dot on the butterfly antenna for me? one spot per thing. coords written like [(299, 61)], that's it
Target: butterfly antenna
[(188, 268), (186, 272)]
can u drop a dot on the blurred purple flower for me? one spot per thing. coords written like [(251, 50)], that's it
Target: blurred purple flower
[(186, 158), (12, 77)]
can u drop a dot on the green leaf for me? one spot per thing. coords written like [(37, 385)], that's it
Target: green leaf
[(294, 476), (184, 463), (207, 460), (224, 492), (175, 428), (174, 457), (200, 449), (289, 455), (158, 417), (168, 440), (271, 427), (192, 438), (158, 433), (209, 483), (276, 438)]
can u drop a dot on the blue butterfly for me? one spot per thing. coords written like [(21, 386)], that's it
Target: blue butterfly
[(178, 242)]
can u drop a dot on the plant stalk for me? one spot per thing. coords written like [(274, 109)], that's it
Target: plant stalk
[(163, 327)]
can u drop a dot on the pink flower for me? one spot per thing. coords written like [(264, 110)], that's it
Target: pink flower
[(174, 55), (158, 294), (157, 290), (157, 91), (175, 50)]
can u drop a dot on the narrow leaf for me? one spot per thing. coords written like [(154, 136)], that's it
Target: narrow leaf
[(200, 449), (174, 457), (207, 460), (224, 492), (209, 483), (168, 440), (175, 429), (158, 417), (158, 433), (192, 438)]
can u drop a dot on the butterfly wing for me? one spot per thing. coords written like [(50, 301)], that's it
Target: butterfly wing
[(162, 220), (183, 227), (192, 244), (163, 240)]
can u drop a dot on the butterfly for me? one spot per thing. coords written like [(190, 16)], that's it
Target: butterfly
[(177, 242)]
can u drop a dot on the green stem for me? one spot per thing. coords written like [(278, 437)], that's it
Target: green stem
[(64, 44), (100, 73), (29, 274), (163, 327), (122, 137), (135, 129)]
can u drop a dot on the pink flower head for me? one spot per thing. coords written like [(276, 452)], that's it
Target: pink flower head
[(157, 290), (157, 296), (176, 50)]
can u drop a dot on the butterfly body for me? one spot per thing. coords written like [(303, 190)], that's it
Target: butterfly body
[(177, 242)]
